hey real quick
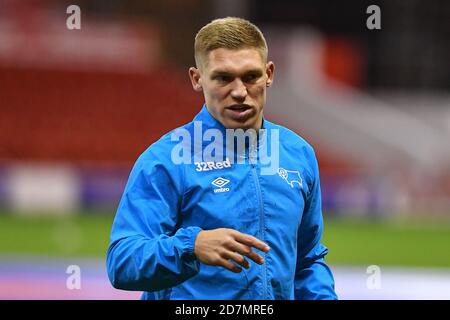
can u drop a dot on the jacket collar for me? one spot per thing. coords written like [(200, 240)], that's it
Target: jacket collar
[(204, 121)]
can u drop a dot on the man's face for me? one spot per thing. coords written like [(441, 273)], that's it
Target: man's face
[(234, 85)]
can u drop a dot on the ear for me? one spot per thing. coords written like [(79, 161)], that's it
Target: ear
[(270, 70), (195, 76)]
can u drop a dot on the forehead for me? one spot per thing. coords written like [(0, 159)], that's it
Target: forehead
[(237, 60)]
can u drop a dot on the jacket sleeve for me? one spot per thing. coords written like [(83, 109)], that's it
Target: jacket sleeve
[(313, 278), (147, 251)]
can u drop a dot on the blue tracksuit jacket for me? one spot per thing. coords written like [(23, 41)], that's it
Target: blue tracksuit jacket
[(165, 205)]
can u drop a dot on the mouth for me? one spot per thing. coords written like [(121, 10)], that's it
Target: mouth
[(239, 112)]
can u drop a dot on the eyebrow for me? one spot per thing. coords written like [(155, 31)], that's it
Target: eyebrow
[(227, 73)]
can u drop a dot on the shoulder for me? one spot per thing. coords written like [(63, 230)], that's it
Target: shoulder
[(157, 163), (161, 151), (292, 141)]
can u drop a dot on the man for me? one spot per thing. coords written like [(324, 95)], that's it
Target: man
[(223, 227)]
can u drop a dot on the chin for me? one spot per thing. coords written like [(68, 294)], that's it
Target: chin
[(248, 124)]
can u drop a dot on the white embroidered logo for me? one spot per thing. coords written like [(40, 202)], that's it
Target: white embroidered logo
[(220, 183), (291, 177)]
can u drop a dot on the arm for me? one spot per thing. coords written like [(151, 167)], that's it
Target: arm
[(313, 278), (147, 251)]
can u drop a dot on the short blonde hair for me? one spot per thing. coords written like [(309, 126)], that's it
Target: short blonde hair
[(228, 33)]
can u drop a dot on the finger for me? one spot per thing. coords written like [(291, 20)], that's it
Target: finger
[(238, 258), (255, 257), (246, 251), (251, 241), (229, 265)]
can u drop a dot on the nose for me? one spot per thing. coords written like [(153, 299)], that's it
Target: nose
[(239, 90)]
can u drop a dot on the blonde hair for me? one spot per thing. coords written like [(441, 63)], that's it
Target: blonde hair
[(228, 33)]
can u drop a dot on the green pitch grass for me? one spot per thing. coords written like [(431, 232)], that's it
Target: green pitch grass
[(350, 242), (420, 243), (81, 235)]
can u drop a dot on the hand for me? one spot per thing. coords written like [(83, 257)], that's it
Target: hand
[(216, 247)]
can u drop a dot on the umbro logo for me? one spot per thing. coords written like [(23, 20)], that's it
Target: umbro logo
[(220, 183)]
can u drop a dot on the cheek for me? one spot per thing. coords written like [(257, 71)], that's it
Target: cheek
[(219, 93), (215, 93), (258, 92)]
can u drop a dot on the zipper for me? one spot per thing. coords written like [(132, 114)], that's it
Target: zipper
[(261, 228)]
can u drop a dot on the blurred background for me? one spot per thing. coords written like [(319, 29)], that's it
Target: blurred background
[(77, 107)]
